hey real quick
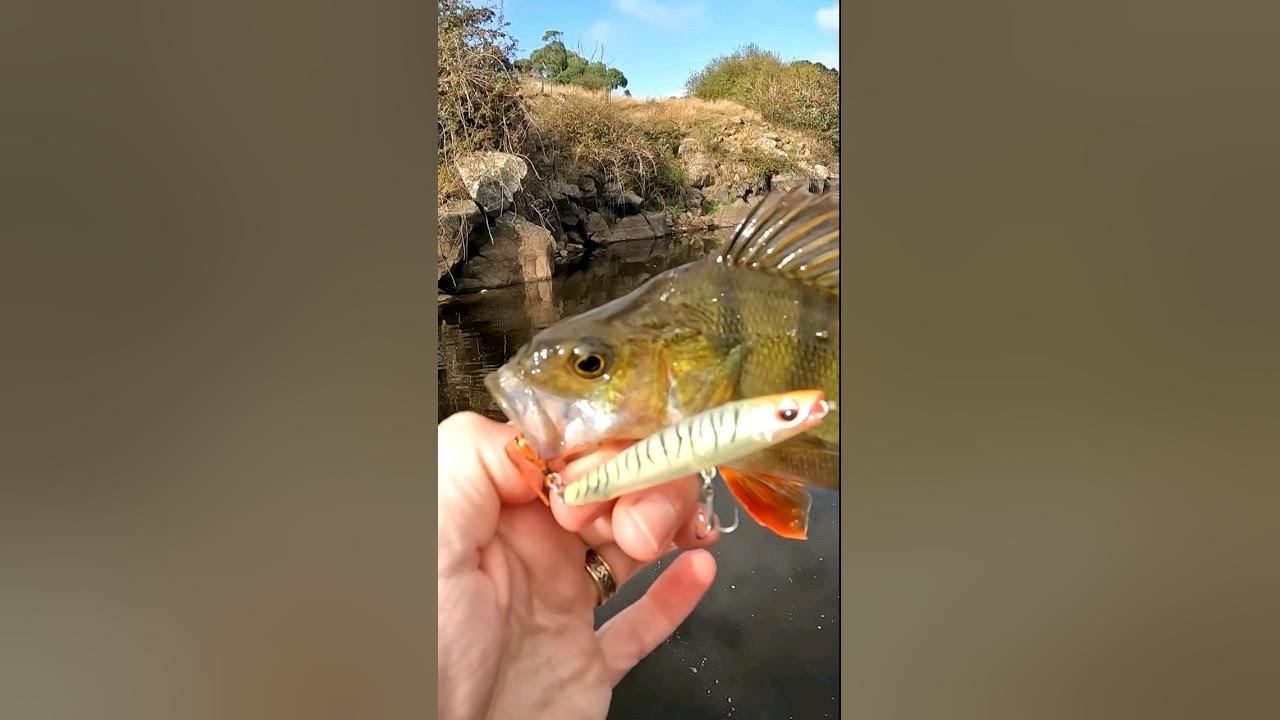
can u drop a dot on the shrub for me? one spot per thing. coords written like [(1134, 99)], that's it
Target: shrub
[(601, 138), (731, 77), (479, 91), (802, 95)]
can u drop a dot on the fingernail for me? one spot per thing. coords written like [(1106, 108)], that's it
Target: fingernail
[(655, 511)]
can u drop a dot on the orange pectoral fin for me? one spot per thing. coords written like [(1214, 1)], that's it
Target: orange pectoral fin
[(778, 503)]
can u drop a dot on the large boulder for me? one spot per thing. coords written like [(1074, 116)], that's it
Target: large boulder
[(518, 252), (598, 229), (458, 219), (492, 178), (645, 226)]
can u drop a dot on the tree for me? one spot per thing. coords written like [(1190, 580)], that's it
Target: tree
[(555, 63), (615, 78), (549, 60)]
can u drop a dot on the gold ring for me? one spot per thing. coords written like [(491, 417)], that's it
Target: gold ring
[(602, 575)]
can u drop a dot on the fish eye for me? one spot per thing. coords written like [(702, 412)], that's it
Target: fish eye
[(589, 364), (788, 411)]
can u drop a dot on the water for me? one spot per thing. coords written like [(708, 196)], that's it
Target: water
[(764, 642)]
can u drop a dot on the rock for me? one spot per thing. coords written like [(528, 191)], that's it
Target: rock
[(630, 202), (732, 215), (519, 252), (789, 181), (458, 218), (693, 200), (821, 172), (645, 226), (587, 186), (612, 189), (721, 195), (699, 171), (771, 136), (767, 143), (689, 146), (598, 229), (563, 190), (570, 214), (492, 178)]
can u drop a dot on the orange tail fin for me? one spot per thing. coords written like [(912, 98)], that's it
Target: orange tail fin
[(778, 503)]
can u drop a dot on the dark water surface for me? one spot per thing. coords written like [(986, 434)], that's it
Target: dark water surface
[(764, 642)]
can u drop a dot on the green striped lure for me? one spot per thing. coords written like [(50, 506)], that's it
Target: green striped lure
[(698, 444)]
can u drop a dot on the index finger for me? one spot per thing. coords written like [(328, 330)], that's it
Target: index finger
[(575, 517)]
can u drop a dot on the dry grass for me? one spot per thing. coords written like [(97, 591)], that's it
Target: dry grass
[(603, 137), (682, 110)]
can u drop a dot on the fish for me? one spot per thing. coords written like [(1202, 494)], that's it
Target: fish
[(720, 435), (759, 316)]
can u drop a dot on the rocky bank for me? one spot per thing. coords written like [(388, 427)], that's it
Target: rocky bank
[(518, 226)]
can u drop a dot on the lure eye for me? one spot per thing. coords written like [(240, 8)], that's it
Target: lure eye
[(589, 365), (788, 411)]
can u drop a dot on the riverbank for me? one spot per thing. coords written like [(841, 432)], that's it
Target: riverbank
[(597, 170)]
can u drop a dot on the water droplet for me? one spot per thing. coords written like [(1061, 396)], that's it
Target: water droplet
[(822, 334), (694, 669), (819, 627), (733, 587)]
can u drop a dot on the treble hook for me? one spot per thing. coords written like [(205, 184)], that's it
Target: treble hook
[(706, 508)]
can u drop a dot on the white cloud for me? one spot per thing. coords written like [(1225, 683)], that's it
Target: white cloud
[(668, 15), (829, 18), (830, 58)]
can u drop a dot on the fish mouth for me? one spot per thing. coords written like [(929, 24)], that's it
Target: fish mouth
[(530, 411)]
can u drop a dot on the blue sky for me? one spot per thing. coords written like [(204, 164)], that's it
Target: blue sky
[(658, 43)]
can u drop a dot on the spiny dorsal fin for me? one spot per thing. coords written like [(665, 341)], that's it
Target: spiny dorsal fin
[(794, 234)]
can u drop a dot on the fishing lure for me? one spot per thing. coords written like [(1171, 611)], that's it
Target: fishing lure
[(719, 436), (695, 445)]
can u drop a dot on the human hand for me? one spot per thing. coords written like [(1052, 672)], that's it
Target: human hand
[(516, 621)]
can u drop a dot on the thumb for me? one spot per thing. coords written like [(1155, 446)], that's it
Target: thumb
[(475, 479)]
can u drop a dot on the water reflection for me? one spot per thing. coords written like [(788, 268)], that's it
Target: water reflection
[(764, 643)]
